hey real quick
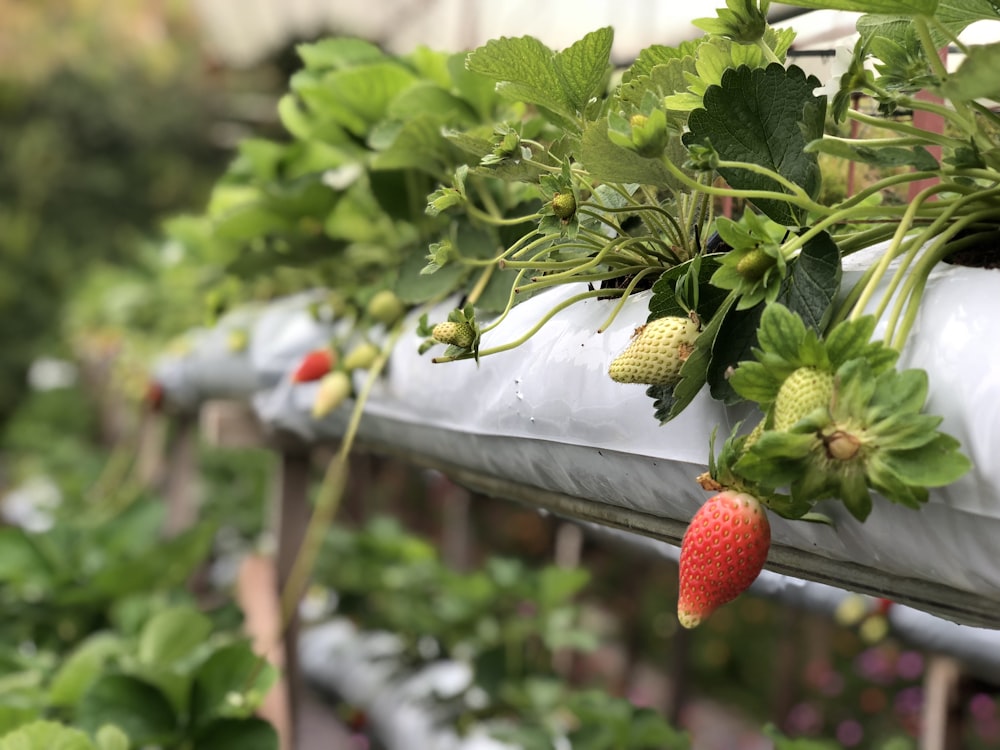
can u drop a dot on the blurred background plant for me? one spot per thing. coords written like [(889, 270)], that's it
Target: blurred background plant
[(109, 121)]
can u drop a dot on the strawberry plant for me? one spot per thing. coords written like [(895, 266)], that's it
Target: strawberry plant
[(478, 180), (102, 637)]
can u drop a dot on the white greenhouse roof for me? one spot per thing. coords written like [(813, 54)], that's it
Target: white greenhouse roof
[(242, 32)]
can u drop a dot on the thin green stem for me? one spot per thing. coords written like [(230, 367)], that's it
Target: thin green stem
[(621, 303), (541, 322), (883, 265), (912, 289), (796, 200), (902, 127), (546, 282), (766, 172), (481, 283), (330, 494), (496, 221), (603, 219)]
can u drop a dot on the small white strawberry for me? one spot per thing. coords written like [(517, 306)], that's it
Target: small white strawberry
[(334, 388), (656, 352)]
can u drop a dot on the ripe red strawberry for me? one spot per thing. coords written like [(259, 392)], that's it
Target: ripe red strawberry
[(154, 396), (722, 553), (313, 366)]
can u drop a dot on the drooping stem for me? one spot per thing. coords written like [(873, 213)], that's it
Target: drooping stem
[(621, 303), (905, 223), (544, 282), (538, 325), (912, 288), (330, 494)]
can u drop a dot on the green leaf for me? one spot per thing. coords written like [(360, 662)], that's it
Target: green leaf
[(935, 464), (141, 710), (426, 98), (609, 162), (813, 282), (418, 144), (957, 14), (781, 332), (562, 83), (913, 7), (583, 68), (334, 53), (12, 717), (82, 668), (694, 373), (734, 344), (886, 157), (413, 287), (249, 222), (902, 393), (46, 735), (173, 563), (658, 54), (222, 683), (21, 560), (523, 68), (664, 302), (777, 115), (356, 98), (172, 635), (976, 77), (237, 734)]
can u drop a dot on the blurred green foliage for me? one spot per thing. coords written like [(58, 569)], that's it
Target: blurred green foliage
[(90, 165)]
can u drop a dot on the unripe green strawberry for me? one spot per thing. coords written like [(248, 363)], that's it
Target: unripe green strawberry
[(334, 388), (722, 553), (804, 391), (754, 435), (361, 357), (237, 340), (656, 352), (564, 205), (386, 307), (755, 264), (450, 332)]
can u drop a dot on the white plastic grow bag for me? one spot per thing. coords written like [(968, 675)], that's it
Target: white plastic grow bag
[(546, 416)]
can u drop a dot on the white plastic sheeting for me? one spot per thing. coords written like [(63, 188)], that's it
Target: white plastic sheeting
[(545, 417), (363, 669)]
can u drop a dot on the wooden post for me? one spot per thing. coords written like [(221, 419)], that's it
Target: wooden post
[(151, 459), (290, 516), (182, 478), (568, 551), (941, 728), (455, 526)]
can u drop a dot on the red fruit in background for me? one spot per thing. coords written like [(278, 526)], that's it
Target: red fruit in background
[(313, 366), (722, 553), (154, 396)]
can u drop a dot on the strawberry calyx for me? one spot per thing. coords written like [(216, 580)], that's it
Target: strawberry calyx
[(840, 421)]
